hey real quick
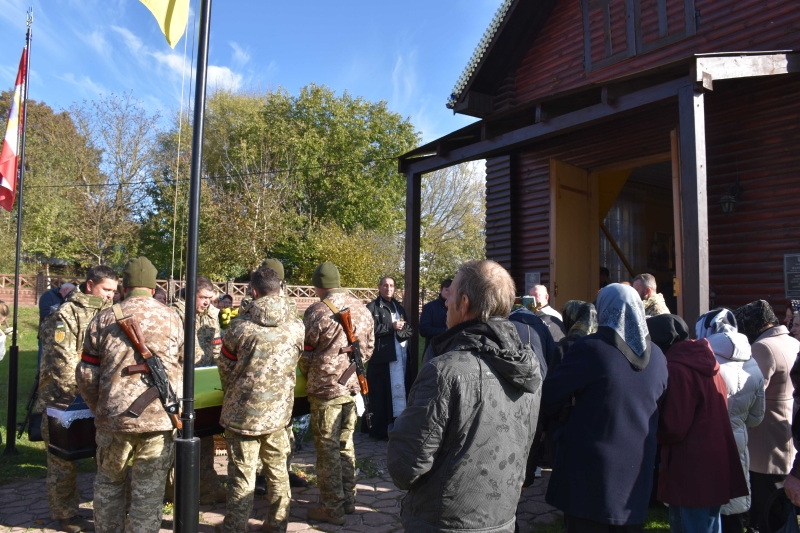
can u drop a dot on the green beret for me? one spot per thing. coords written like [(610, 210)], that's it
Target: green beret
[(139, 272), (275, 265), (326, 276)]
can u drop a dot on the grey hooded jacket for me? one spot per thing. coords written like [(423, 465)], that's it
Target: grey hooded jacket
[(461, 445)]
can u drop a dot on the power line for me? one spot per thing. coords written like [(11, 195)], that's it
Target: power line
[(244, 174)]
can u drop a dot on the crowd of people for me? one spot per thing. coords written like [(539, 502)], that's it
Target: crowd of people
[(612, 394)]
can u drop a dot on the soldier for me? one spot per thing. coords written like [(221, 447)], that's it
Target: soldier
[(333, 406), (260, 354), (62, 336), (208, 345), (111, 391)]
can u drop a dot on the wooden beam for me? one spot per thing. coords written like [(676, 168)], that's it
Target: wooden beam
[(411, 289), (503, 144), (677, 216), (746, 66), (694, 202)]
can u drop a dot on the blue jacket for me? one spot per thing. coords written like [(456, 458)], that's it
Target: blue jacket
[(47, 301), (433, 320), (534, 332), (603, 470)]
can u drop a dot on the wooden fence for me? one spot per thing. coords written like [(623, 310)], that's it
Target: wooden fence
[(33, 286)]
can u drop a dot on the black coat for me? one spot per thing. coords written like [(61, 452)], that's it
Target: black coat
[(534, 332), (433, 320), (378, 377), (603, 469)]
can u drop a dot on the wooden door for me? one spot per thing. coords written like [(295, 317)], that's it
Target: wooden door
[(574, 234)]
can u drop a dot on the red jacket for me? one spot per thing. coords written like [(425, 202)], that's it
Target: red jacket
[(699, 460)]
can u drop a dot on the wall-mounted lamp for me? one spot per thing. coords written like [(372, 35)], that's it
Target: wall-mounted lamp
[(728, 201)]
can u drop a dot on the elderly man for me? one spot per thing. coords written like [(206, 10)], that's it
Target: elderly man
[(654, 305), (471, 414), (543, 301)]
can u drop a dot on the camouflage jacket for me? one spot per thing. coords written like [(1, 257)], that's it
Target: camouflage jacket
[(107, 352), (655, 306), (208, 334), (257, 367), (321, 362), (62, 336)]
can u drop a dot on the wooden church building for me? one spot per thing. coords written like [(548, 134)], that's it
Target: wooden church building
[(658, 136)]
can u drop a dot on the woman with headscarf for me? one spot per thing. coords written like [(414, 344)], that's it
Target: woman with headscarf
[(613, 379), (770, 446), (700, 469), (580, 320), (745, 395)]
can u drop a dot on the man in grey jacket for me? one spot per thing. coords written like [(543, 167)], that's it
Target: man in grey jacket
[(461, 444)]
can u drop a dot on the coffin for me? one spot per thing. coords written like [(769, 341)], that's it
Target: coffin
[(72, 430)]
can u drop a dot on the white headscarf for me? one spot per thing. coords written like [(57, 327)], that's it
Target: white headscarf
[(719, 327), (620, 309)]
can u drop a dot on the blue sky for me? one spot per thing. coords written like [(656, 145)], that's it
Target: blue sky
[(409, 53)]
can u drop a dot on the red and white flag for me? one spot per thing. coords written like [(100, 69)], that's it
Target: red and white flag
[(8, 157)]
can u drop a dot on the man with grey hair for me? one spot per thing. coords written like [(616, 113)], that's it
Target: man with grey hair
[(543, 302), (471, 414), (654, 305)]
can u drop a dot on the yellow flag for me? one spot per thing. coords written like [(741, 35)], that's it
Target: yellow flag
[(171, 16)]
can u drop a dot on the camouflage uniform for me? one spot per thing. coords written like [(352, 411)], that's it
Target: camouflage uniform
[(655, 306), (257, 370), (109, 392), (333, 410), (208, 346), (62, 336)]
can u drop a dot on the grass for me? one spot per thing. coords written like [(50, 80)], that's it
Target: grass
[(30, 462)]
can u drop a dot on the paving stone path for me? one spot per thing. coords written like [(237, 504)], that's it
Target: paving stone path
[(23, 505)]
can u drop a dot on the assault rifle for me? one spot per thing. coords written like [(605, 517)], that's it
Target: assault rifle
[(152, 365), (353, 351), (35, 432)]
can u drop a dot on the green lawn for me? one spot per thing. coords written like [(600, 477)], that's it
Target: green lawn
[(29, 462), (657, 522)]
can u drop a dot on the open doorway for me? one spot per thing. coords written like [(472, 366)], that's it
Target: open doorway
[(637, 228)]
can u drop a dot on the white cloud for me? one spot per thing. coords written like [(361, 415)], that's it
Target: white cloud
[(97, 41), (404, 80), (240, 56), (133, 43), (223, 78), (84, 84)]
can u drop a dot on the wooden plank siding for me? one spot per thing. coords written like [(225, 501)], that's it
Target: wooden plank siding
[(555, 61), (753, 130), (498, 210)]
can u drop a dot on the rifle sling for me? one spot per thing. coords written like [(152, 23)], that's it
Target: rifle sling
[(140, 404), (118, 312), (349, 349)]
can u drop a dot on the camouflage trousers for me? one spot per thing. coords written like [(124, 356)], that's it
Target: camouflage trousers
[(209, 480), (244, 455), (152, 456), (332, 423), (62, 482)]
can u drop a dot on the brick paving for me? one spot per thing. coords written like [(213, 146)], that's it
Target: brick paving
[(23, 505)]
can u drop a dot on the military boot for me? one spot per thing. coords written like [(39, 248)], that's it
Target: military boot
[(76, 524), (321, 514)]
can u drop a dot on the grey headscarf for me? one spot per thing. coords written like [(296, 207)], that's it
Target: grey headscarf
[(621, 320)]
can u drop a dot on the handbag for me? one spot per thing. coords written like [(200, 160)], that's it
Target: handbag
[(780, 515)]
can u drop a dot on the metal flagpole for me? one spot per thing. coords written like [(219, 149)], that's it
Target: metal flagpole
[(13, 353), (187, 461)]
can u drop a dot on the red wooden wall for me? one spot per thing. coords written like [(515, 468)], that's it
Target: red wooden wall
[(554, 62)]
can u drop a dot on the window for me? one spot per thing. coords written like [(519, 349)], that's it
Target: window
[(615, 30)]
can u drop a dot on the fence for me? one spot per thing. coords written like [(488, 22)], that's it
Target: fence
[(33, 286)]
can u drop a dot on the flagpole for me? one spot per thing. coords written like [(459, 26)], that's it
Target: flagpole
[(187, 460), (13, 353)]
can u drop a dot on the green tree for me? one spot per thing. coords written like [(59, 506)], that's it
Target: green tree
[(56, 156), (114, 199), (452, 222)]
